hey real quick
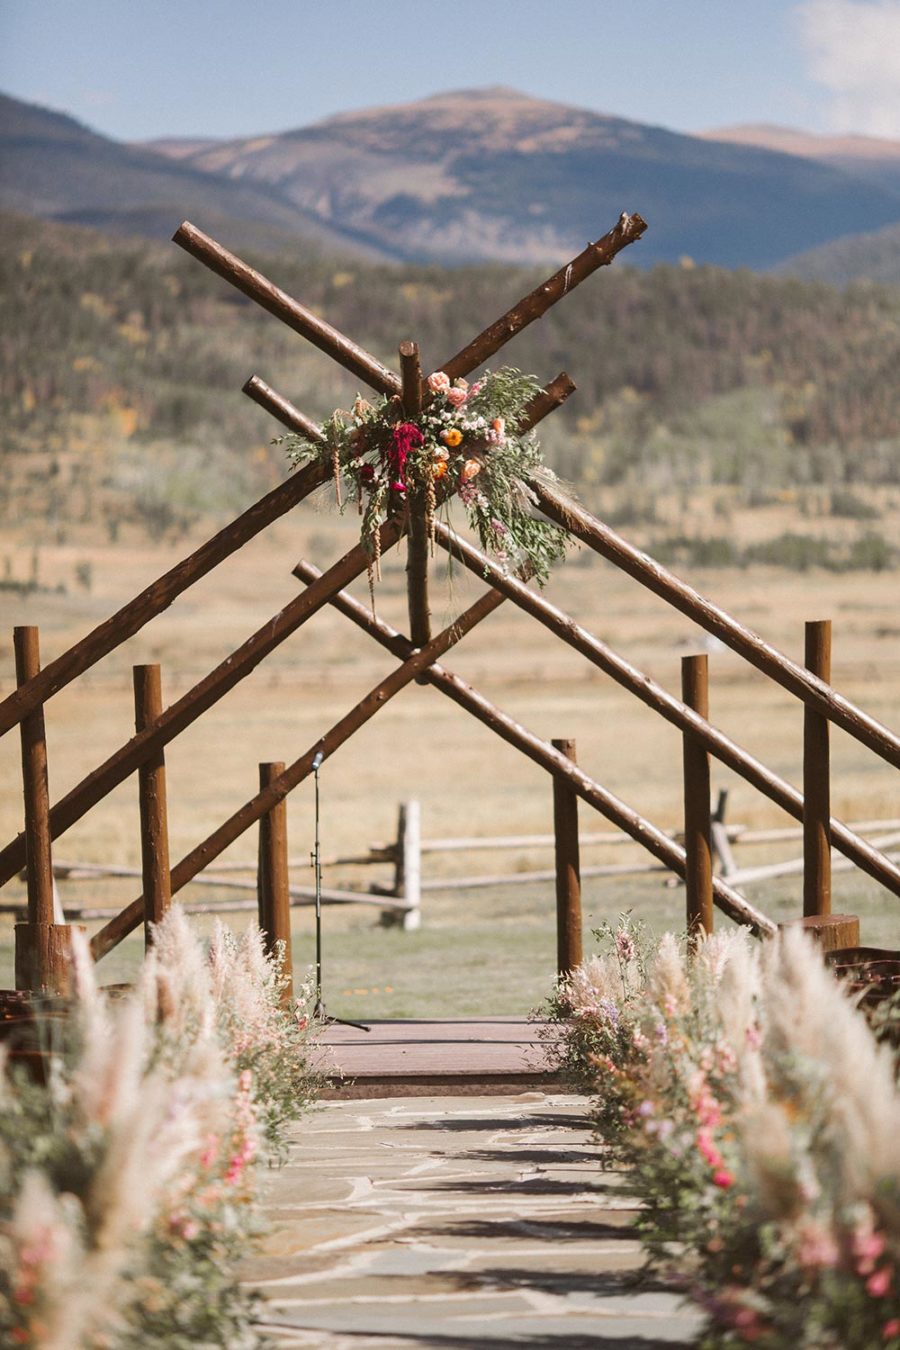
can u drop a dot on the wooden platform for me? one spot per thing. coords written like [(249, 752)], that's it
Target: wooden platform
[(476, 1055)]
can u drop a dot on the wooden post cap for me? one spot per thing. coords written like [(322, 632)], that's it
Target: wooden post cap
[(831, 931)]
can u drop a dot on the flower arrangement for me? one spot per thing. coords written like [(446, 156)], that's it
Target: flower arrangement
[(465, 441), (127, 1183), (759, 1120)]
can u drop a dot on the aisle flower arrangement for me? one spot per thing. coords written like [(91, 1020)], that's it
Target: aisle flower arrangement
[(128, 1181), (758, 1119), (465, 442)]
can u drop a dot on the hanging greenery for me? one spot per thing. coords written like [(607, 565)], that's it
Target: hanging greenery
[(465, 442)]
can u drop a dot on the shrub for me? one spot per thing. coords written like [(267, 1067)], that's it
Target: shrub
[(760, 1121), (128, 1181)]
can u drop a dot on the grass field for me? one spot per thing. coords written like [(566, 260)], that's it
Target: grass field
[(478, 951)]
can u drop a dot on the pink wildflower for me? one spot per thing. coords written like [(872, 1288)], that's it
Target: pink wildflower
[(867, 1247), (625, 946), (879, 1284), (891, 1329), (817, 1247), (210, 1152), (723, 1178), (706, 1146)]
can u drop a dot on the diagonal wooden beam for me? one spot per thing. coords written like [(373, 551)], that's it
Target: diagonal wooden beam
[(197, 700), (627, 230), (276, 790), (563, 626), (812, 691), (542, 753), (257, 287), (158, 596)]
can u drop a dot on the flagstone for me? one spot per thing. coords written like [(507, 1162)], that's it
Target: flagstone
[(456, 1222)]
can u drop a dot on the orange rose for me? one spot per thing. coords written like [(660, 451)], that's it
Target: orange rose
[(438, 468), (453, 437), (470, 469)]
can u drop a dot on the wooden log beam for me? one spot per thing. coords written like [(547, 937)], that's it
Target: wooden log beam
[(158, 596), (285, 782), (273, 883), (185, 710), (417, 541), (35, 786), (642, 831), (601, 253), (267, 398), (814, 692), (567, 873), (265, 293), (697, 822), (152, 797), (817, 780), (857, 849)]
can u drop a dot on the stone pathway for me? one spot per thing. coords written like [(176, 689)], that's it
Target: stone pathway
[(455, 1222)]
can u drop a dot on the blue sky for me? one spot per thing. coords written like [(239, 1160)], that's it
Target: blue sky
[(142, 68)]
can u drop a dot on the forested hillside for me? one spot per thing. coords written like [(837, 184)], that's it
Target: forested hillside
[(122, 363)]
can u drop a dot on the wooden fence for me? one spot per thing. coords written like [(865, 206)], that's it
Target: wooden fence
[(42, 941)]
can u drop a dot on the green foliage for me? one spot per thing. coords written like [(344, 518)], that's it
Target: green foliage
[(686, 377)]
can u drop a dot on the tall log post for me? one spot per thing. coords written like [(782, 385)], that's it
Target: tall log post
[(417, 541), (568, 868), (273, 881), (43, 948), (817, 780), (152, 799), (698, 875)]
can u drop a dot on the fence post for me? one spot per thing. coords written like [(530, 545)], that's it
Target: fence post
[(407, 869), (817, 780), (568, 868), (698, 875), (152, 801), (273, 883), (43, 947)]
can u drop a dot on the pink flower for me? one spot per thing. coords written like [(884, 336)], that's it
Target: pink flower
[(891, 1328), (708, 1149), (723, 1178), (438, 382), (878, 1284), (867, 1247), (456, 397), (817, 1247), (624, 941)]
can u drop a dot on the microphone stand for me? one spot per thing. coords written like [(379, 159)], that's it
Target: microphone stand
[(319, 1013)]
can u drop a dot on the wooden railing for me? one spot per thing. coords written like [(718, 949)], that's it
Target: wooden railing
[(41, 943)]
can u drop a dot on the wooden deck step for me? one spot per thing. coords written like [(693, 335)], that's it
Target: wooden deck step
[(463, 1056)]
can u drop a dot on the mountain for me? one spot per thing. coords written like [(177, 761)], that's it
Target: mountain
[(53, 167), (872, 158), (494, 174), (871, 257), (472, 176)]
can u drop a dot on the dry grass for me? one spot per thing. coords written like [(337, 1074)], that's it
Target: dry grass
[(423, 746)]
